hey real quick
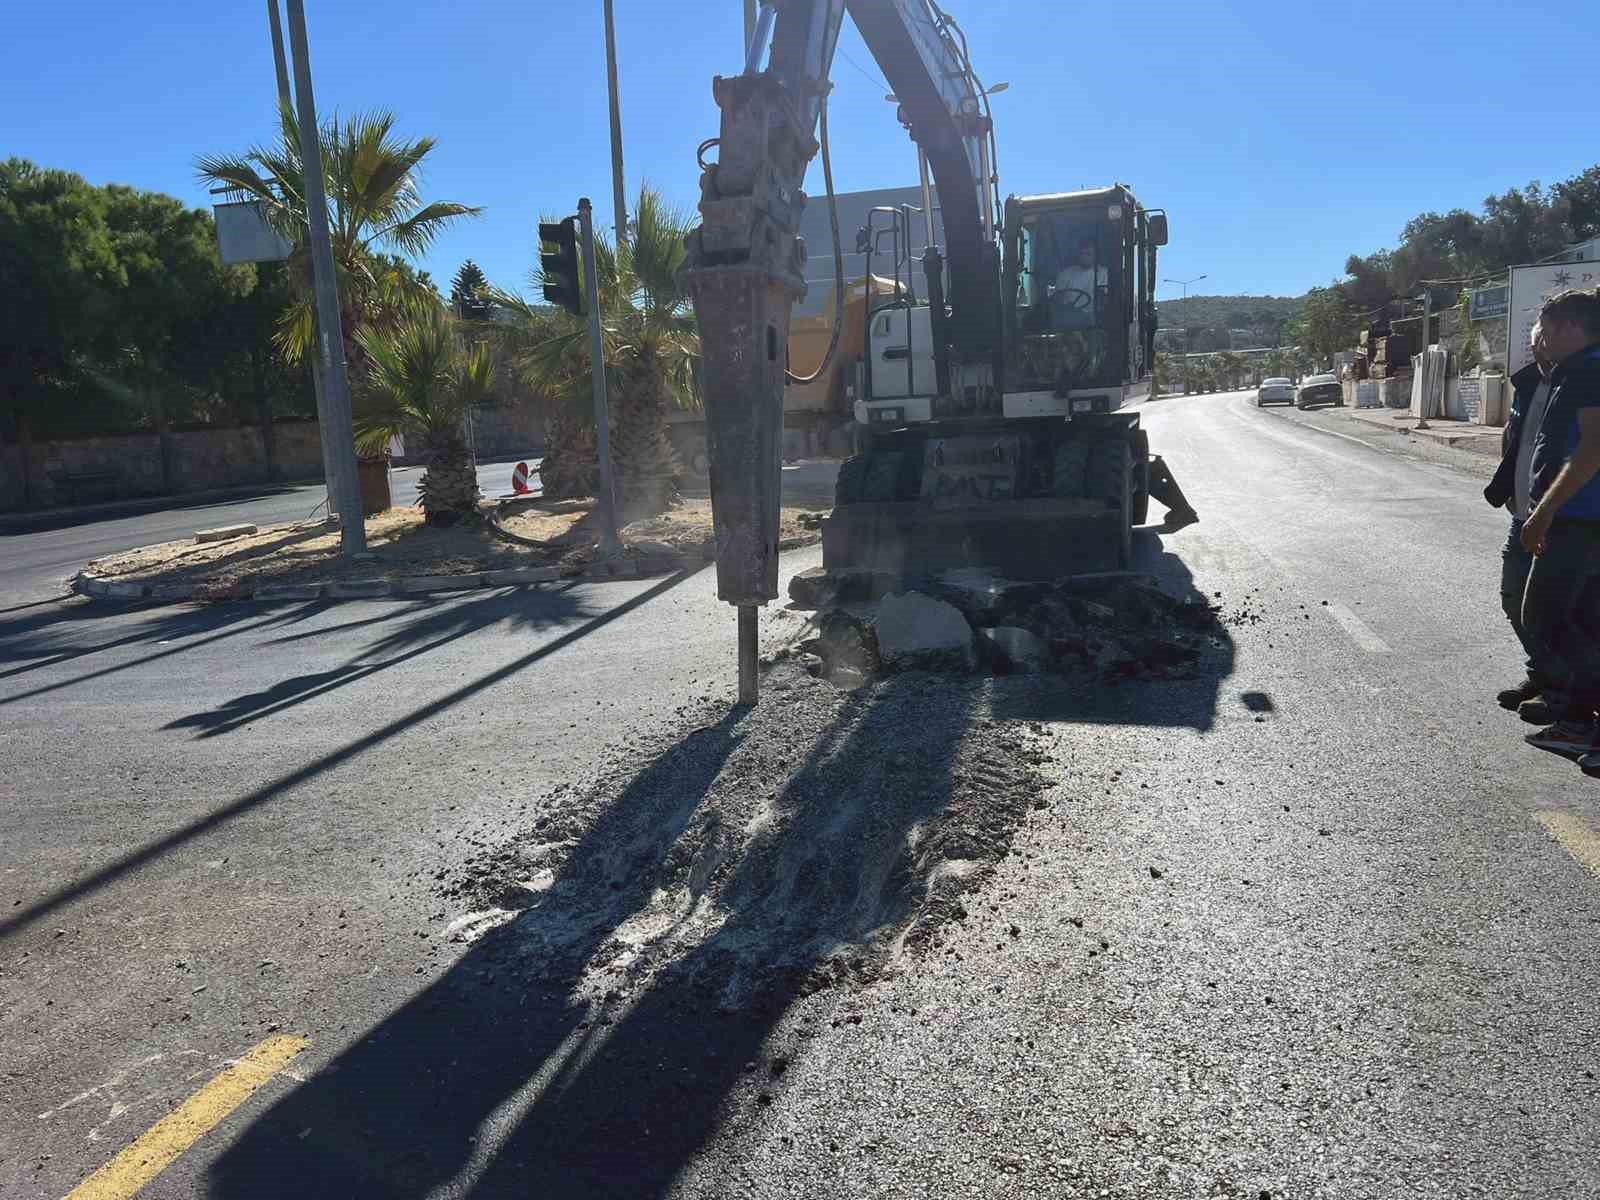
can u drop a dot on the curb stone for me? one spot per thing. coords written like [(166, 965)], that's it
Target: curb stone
[(359, 589), (98, 587), (289, 591)]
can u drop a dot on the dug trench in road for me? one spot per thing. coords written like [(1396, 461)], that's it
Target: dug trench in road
[(1395, 1006)]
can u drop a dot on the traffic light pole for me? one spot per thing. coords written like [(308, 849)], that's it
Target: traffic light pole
[(344, 489), (610, 544)]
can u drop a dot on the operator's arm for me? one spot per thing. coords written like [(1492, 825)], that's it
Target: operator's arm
[(1577, 471)]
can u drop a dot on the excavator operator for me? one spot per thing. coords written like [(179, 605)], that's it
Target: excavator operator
[(1075, 298)]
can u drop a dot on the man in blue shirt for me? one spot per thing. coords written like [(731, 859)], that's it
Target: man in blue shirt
[(1512, 488), (1561, 604)]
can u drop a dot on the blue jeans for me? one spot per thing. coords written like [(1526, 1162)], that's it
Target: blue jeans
[(1514, 565)]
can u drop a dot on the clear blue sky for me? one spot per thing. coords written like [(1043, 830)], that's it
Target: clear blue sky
[(1280, 137)]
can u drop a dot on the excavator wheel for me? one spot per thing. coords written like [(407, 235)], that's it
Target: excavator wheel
[(1141, 476), (878, 475), (1110, 469), (1070, 480), (847, 487)]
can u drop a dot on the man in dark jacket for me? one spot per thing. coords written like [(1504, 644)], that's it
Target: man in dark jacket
[(1561, 603), (1511, 488)]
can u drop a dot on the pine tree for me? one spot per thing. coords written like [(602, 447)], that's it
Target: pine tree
[(469, 292)]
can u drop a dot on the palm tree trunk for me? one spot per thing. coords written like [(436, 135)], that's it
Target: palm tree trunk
[(647, 466), (571, 466), (449, 485)]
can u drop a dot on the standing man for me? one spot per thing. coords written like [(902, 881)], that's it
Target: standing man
[(1512, 488), (1561, 604)]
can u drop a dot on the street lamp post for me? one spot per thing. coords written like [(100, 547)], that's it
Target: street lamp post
[(1184, 284)]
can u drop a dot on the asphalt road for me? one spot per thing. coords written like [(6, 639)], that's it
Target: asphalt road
[(35, 564), (1363, 965)]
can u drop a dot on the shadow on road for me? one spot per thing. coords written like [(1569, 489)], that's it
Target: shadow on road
[(165, 625), (539, 1066), (19, 918), (437, 624)]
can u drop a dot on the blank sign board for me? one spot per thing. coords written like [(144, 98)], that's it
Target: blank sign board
[(243, 235)]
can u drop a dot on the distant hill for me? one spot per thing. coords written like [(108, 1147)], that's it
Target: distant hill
[(1224, 322), (1258, 313)]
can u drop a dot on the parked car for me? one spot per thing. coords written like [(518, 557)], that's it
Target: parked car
[(1274, 391), (1320, 389)]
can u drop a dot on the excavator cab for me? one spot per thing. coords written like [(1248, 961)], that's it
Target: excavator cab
[(1079, 293)]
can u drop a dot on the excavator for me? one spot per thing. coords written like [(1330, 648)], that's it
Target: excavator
[(991, 425)]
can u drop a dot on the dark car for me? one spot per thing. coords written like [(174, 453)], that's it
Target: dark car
[(1320, 389)]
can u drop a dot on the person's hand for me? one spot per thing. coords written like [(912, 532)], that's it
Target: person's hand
[(1534, 531)]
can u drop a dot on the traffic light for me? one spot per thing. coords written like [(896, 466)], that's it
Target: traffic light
[(560, 264)]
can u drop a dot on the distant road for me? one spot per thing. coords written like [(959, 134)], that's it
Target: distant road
[(32, 565)]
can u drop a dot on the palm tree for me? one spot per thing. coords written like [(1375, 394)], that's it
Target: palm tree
[(370, 175), (1226, 366), (423, 380), (650, 349)]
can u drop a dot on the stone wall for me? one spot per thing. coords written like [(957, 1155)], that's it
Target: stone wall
[(152, 464)]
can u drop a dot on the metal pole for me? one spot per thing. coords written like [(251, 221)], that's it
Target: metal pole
[(618, 196), (927, 197), (277, 53), (1422, 362), (749, 682), (343, 489), (756, 44), (749, 22), (610, 544)]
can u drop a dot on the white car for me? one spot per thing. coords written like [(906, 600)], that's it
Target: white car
[(1274, 391)]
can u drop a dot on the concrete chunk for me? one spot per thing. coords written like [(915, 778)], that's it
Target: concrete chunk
[(124, 591), (223, 533), (816, 587), (917, 632)]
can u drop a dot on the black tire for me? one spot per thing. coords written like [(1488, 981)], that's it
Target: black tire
[(852, 472), (1110, 468), (1141, 476), (1071, 469), (888, 476)]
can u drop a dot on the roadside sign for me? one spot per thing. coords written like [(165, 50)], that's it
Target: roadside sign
[(519, 479), (1490, 302), (1530, 288)]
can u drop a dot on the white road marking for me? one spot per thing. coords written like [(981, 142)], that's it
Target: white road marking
[(1358, 629)]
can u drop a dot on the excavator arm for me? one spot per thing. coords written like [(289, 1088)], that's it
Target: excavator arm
[(745, 267)]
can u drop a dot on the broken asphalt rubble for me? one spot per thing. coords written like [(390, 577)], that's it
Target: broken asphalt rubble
[(1110, 625)]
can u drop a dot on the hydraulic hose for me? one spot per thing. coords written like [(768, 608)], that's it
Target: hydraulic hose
[(838, 262)]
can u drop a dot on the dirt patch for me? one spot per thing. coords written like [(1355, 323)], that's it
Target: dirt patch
[(529, 534), (818, 839)]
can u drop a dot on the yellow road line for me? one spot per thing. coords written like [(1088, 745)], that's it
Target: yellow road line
[(1576, 838), (124, 1175)]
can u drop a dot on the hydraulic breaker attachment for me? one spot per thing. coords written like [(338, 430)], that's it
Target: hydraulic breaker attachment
[(744, 271)]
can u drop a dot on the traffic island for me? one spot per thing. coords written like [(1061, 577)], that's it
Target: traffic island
[(511, 544)]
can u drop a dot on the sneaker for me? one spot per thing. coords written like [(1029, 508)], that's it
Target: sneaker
[(1524, 691), (1542, 710), (1574, 738)]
